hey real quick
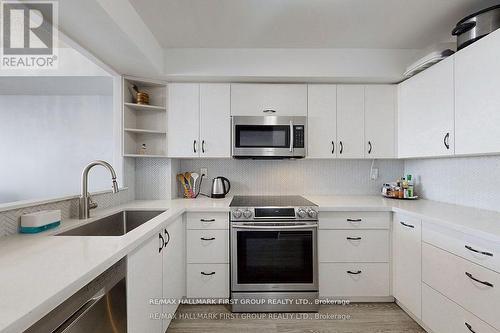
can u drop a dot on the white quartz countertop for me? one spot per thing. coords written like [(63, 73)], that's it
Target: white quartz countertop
[(38, 272)]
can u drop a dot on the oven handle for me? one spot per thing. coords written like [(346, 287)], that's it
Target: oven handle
[(307, 226), (291, 136)]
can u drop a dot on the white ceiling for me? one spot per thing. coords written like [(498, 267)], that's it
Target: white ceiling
[(388, 24)]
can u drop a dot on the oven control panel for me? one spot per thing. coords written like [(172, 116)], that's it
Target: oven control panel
[(274, 213)]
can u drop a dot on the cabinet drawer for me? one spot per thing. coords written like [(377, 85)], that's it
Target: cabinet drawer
[(372, 280), (354, 220), (207, 246), (207, 280), (280, 99), (353, 246), (207, 220), (483, 252), (454, 277), (442, 315)]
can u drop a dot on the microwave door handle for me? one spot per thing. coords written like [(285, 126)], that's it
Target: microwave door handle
[(291, 136)]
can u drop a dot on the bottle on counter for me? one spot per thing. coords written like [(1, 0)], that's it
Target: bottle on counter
[(411, 192)]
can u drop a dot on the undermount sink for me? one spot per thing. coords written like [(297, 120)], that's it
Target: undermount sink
[(114, 225)]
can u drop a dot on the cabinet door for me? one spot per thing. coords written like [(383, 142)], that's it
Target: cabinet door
[(380, 121), (144, 282), (174, 268), (350, 121), (183, 120), (268, 99), (407, 262), (322, 120), (215, 120), (426, 113), (477, 97)]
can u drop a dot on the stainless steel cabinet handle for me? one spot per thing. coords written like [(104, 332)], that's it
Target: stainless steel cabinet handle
[(446, 140), (211, 273), (203, 146), (354, 273), (209, 220), (269, 111), (469, 327), (168, 236), (486, 283), (353, 238), (354, 220), (194, 146), (341, 147), (407, 225), (333, 147), (470, 248), (161, 242), (369, 147), (207, 239)]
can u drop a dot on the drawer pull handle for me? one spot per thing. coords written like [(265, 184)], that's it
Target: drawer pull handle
[(486, 283), (354, 273), (354, 220), (211, 273), (407, 225), (207, 220), (477, 251), (353, 238), (207, 239), (469, 327)]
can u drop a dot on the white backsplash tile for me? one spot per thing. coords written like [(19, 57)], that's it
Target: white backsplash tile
[(467, 181)]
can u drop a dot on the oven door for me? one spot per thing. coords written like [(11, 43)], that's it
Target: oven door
[(268, 136), (274, 257)]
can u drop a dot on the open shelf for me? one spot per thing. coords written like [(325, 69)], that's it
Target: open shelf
[(139, 130), (145, 107), (145, 124)]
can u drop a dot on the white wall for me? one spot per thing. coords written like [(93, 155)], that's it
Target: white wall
[(45, 142), (300, 65), (467, 181)]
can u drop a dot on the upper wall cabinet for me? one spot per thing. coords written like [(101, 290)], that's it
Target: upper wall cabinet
[(199, 120), (351, 121), (322, 120), (268, 99), (380, 121), (426, 113), (477, 97)]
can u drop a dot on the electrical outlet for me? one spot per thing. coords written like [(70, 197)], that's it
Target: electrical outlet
[(374, 174), (204, 171)]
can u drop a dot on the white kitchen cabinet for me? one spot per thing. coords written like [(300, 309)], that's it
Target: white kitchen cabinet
[(174, 268), (183, 120), (407, 263), (144, 282), (322, 121), (477, 97), (208, 281), (215, 120), (259, 99), (380, 121), (199, 120), (351, 121), (426, 113)]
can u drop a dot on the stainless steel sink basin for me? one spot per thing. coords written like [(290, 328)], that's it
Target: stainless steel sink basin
[(114, 225)]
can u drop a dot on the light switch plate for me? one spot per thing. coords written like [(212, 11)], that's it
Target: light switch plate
[(204, 171), (374, 174)]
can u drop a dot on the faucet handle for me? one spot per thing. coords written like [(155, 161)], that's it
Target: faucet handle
[(92, 203)]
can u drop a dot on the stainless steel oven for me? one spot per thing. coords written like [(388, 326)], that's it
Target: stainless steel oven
[(269, 137), (274, 257)]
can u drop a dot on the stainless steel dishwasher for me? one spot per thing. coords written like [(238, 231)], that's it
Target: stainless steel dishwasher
[(100, 306)]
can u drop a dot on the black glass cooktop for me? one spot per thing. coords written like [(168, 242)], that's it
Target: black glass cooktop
[(270, 201)]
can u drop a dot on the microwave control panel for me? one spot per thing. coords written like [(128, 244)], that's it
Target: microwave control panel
[(298, 136)]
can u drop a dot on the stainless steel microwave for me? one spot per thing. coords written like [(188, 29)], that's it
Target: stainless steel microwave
[(269, 137)]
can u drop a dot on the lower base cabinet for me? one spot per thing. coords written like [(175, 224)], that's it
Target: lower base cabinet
[(354, 280), (208, 280), (441, 315), (156, 271)]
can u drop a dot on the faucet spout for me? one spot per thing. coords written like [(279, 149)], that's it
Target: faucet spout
[(85, 202)]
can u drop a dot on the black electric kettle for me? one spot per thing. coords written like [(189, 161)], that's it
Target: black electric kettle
[(219, 189)]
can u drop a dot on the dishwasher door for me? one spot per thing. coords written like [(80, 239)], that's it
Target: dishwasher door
[(100, 306)]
